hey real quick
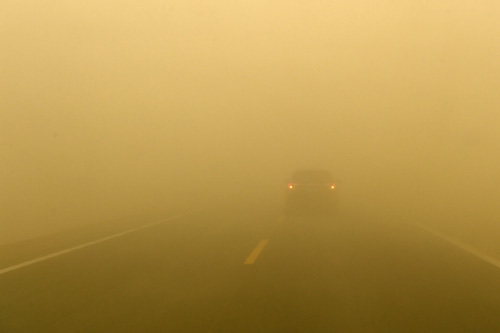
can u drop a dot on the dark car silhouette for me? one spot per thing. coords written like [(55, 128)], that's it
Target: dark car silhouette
[(310, 192)]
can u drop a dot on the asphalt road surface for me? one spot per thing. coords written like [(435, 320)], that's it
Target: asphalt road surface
[(243, 270)]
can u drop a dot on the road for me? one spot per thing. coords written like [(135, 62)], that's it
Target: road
[(244, 270)]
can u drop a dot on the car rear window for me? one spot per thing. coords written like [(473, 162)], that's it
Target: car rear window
[(311, 176)]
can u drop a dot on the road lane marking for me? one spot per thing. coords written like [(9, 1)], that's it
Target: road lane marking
[(78, 247), (255, 253), (467, 248)]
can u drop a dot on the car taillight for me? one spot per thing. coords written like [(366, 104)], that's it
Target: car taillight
[(332, 186), (291, 186)]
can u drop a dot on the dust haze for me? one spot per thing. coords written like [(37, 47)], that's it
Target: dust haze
[(111, 109)]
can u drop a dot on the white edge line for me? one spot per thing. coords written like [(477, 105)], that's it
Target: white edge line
[(78, 247), (463, 246)]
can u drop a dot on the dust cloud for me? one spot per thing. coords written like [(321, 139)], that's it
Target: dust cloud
[(117, 108)]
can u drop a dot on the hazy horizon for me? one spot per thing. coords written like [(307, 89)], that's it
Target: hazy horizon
[(117, 108)]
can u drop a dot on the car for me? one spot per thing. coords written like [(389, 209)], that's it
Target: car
[(310, 192)]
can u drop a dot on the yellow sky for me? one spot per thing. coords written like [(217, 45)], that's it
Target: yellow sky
[(99, 98)]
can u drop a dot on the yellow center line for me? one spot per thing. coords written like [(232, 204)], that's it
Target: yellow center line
[(255, 253)]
